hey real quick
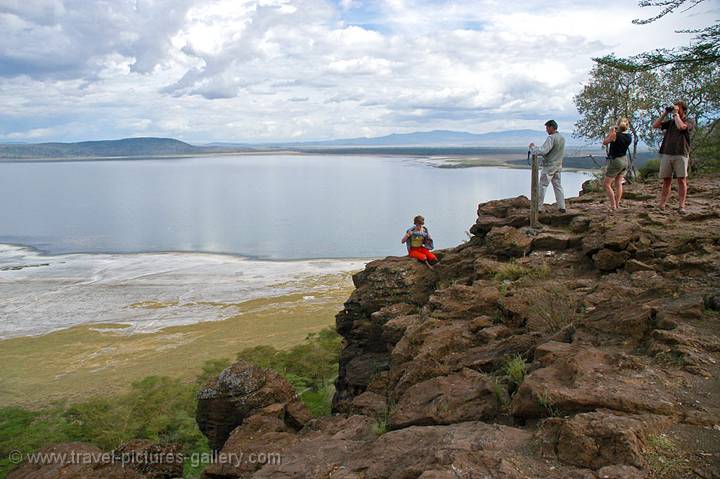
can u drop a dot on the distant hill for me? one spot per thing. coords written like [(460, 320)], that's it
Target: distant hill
[(434, 138), (101, 149), (427, 143)]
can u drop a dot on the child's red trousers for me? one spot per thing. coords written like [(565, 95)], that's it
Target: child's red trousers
[(422, 254)]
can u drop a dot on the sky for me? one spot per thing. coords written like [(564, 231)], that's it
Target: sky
[(274, 70)]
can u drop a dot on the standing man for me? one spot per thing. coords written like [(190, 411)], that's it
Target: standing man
[(674, 151), (552, 151)]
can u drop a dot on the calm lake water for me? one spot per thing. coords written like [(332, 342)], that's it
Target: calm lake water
[(264, 207)]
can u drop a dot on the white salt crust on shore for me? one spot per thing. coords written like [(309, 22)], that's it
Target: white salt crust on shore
[(42, 293)]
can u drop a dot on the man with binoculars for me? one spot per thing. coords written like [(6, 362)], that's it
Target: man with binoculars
[(674, 151)]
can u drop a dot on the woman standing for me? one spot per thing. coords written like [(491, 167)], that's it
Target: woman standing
[(619, 141), (419, 242)]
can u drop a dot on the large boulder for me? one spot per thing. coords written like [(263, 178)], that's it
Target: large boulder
[(462, 301), (238, 392), (386, 282), (555, 240), (584, 378), (260, 440), (463, 396), (507, 242), (607, 260), (513, 212), (603, 438)]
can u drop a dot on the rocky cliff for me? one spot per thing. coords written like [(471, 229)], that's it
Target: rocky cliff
[(588, 348)]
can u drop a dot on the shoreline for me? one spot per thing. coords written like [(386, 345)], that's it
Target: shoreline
[(47, 253), (46, 293), (453, 161)]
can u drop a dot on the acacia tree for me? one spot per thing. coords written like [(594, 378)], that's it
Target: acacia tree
[(689, 73), (613, 93), (699, 86), (704, 48)]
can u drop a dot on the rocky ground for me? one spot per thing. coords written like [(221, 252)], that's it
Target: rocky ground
[(588, 348)]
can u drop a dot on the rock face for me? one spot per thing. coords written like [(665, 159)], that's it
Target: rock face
[(385, 290), (614, 316)]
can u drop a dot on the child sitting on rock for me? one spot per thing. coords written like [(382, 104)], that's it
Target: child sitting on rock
[(419, 242)]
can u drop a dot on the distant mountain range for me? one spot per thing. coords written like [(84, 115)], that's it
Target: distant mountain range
[(138, 147), (509, 138)]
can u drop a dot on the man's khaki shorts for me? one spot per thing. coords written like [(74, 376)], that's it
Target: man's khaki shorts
[(673, 163)]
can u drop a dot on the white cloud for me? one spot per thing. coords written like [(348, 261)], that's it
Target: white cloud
[(209, 70)]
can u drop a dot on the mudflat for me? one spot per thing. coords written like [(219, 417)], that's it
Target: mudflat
[(89, 360)]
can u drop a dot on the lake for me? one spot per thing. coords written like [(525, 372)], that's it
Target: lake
[(145, 245), (265, 207)]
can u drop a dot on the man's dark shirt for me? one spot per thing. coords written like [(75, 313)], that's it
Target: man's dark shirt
[(676, 141)]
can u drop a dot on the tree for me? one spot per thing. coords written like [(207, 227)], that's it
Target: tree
[(640, 96), (689, 73), (705, 47), (707, 150), (699, 86), (614, 93)]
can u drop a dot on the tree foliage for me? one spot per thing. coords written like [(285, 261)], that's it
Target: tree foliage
[(704, 48), (640, 95), (613, 93), (311, 365)]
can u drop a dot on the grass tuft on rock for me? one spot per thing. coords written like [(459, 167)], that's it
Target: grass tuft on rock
[(514, 272), (665, 459), (515, 370)]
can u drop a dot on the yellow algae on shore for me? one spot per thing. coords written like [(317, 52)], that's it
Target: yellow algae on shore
[(103, 359), (153, 304)]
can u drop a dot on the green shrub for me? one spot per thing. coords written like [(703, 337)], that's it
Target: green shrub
[(312, 364), (550, 307), (318, 402), (211, 369), (547, 404), (162, 409), (28, 431)]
